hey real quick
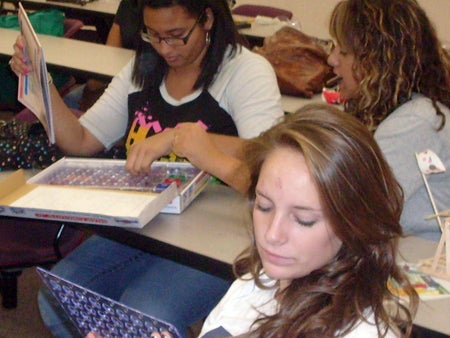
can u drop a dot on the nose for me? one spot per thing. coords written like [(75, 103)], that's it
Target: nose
[(276, 233), (163, 48), (333, 59)]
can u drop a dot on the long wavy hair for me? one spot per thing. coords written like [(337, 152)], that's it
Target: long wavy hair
[(150, 67), (363, 203), (397, 53)]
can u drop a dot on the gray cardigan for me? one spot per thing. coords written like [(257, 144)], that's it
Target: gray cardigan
[(410, 129)]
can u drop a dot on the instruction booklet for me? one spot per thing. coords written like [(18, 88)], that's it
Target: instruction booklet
[(34, 91)]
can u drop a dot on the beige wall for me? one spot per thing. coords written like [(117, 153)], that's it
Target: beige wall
[(313, 14)]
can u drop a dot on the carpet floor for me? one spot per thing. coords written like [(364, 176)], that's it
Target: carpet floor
[(24, 321)]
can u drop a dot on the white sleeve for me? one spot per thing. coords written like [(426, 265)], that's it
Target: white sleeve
[(239, 308), (247, 89), (107, 119), (368, 329)]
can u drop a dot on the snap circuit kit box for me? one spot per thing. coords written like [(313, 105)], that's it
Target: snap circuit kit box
[(102, 192)]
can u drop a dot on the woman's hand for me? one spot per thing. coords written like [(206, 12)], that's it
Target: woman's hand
[(163, 334), (206, 151), (93, 335), (189, 140), (19, 63), (142, 154), (192, 141)]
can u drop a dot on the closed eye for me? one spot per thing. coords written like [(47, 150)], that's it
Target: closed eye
[(306, 223), (262, 208)]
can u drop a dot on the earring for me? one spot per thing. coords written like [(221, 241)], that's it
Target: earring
[(207, 38)]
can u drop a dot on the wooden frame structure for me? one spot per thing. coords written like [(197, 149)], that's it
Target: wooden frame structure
[(439, 264)]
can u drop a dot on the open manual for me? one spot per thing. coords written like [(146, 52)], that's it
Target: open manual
[(34, 91), (90, 311)]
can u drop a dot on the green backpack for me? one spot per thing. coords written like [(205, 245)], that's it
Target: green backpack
[(50, 22)]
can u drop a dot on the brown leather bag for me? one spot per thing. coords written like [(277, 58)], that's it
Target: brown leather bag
[(300, 61)]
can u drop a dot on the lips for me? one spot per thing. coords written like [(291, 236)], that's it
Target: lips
[(274, 259), (333, 82), (331, 93), (171, 59)]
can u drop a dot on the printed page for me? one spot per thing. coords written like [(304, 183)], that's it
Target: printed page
[(33, 91), (427, 287)]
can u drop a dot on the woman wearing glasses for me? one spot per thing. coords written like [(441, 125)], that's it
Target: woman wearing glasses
[(191, 89)]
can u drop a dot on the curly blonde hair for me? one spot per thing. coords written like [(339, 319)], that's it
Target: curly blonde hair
[(397, 53), (363, 203)]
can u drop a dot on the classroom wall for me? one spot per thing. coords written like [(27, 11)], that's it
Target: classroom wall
[(314, 14)]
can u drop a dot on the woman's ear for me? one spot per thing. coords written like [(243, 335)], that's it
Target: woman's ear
[(209, 19)]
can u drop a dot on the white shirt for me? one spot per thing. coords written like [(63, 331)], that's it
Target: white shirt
[(245, 87), (245, 302)]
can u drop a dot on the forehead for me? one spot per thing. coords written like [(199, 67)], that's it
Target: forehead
[(166, 18), (285, 172)]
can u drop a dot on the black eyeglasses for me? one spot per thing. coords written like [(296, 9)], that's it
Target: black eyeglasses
[(171, 41)]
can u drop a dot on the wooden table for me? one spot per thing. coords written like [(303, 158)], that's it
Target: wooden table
[(291, 104), (98, 12), (80, 58), (432, 314)]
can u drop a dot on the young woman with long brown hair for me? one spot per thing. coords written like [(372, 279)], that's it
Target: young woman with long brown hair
[(326, 210)]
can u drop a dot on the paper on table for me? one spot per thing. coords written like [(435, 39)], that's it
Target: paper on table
[(33, 91), (428, 287)]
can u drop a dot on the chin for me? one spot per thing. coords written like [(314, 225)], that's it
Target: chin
[(346, 95), (283, 273), (343, 96), (277, 273)]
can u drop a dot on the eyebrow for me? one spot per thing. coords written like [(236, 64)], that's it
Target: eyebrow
[(297, 207), (171, 31)]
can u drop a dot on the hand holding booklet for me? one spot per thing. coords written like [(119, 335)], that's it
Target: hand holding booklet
[(34, 91)]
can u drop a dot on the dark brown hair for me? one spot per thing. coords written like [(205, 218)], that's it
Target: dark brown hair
[(150, 67), (363, 203)]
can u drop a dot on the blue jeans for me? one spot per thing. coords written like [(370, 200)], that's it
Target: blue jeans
[(73, 98), (159, 287)]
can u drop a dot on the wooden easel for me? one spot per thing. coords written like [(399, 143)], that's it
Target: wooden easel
[(439, 265)]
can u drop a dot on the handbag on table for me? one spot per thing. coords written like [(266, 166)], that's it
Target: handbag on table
[(299, 61)]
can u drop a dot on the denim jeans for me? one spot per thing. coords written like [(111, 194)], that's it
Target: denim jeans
[(159, 287), (72, 99)]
